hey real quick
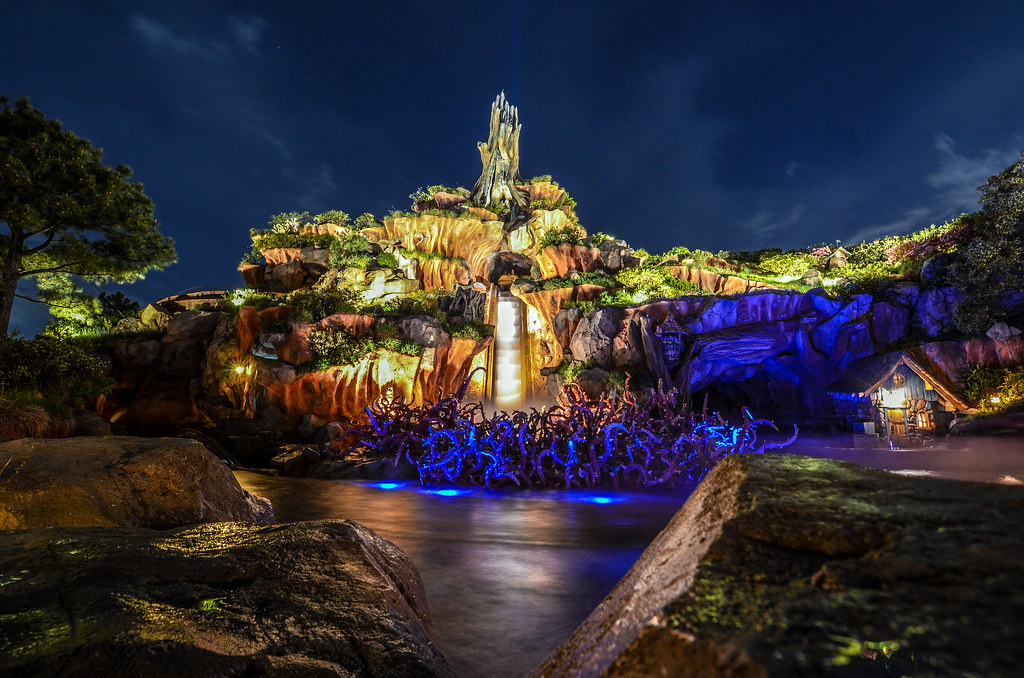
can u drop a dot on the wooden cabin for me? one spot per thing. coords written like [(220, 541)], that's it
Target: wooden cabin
[(899, 395), (837, 258)]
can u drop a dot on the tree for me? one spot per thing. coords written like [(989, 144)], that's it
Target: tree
[(66, 214), (991, 265), (500, 157)]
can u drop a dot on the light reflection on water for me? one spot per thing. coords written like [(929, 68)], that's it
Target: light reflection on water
[(982, 459), (509, 575)]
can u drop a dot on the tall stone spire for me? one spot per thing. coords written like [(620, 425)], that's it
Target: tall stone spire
[(500, 157)]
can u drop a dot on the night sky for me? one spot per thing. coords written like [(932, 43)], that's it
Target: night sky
[(764, 124)]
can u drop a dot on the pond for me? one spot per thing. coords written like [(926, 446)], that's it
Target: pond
[(509, 575)]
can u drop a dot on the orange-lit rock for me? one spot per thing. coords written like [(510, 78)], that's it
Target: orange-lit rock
[(345, 391), (542, 344), (545, 190), (447, 201), (554, 262), (715, 282), (279, 255), (443, 273), (468, 239), (253, 275)]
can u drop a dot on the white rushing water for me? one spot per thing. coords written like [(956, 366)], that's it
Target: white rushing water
[(508, 353)]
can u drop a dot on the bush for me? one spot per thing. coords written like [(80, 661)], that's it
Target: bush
[(336, 217), (351, 250), (365, 220), (387, 260), (289, 222), (62, 373), (313, 305), (597, 238), (563, 235), (579, 278), (926, 243), (984, 383), (249, 297), (790, 264)]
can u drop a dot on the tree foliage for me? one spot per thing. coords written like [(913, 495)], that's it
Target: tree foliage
[(992, 263), (66, 215)]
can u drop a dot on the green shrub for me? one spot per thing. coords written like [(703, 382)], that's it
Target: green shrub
[(338, 346), (351, 250), (418, 302), (336, 217), (579, 278), (289, 222), (563, 235), (585, 306), (540, 179), (789, 264), (249, 297), (597, 238), (387, 260), (469, 329), (62, 373), (365, 220), (313, 305), (1005, 386), (570, 370)]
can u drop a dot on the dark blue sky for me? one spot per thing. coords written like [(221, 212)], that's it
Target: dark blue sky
[(763, 124)]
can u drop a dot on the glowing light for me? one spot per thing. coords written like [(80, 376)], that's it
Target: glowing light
[(601, 500), (994, 400), (445, 492), (387, 486), (508, 383), (238, 297), (239, 369)]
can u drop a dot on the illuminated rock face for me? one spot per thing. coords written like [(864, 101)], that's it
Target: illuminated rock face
[(344, 391), (469, 239), (780, 565), (326, 598), (120, 481)]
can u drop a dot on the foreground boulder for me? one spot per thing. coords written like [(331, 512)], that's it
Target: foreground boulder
[(107, 481), (324, 598), (780, 565)]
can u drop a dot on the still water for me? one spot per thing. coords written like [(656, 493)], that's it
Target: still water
[(509, 575)]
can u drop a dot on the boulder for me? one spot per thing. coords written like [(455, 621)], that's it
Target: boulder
[(154, 317), (131, 355), (1001, 332), (593, 381), (780, 565), (616, 254), (594, 335), (424, 331), (124, 481), (288, 276), (324, 598), (192, 325)]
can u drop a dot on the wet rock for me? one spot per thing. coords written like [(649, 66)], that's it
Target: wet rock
[(127, 481), (780, 565), (192, 325), (1001, 332), (326, 598), (594, 335), (424, 331)]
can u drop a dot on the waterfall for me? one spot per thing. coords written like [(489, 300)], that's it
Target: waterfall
[(508, 353)]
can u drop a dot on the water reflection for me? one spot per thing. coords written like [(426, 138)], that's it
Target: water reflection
[(983, 459), (509, 575)]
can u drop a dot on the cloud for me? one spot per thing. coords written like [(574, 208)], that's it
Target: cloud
[(912, 220), (162, 39), (959, 176), (791, 167), (248, 32), (767, 223)]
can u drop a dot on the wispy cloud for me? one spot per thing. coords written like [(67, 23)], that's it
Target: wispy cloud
[(248, 32), (767, 223), (160, 38), (912, 220), (959, 176)]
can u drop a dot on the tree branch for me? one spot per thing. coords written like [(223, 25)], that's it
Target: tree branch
[(42, 246), (53, 269)]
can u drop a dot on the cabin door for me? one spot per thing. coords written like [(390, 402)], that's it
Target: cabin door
[(896, 420)]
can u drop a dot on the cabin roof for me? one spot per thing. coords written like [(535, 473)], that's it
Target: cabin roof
[(866, 375)]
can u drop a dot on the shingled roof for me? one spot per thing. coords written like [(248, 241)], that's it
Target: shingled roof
[(866, 375)]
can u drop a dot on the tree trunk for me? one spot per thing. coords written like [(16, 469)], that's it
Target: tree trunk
[(9, 277), (500, 157)]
